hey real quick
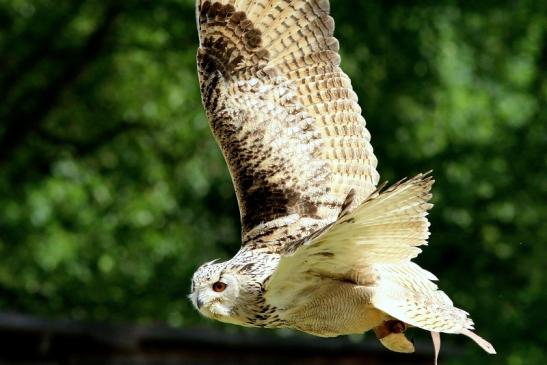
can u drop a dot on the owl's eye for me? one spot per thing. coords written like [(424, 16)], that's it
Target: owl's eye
[(219, 286)]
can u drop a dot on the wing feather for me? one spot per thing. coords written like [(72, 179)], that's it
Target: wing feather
[(284, 115), (373, 246)]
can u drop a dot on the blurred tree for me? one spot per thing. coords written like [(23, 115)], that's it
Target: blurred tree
[(112, 188)]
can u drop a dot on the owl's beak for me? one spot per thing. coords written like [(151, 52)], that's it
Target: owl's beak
[(199, 303)]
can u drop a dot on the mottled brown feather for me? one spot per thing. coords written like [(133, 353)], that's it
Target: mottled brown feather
[(284, 115)]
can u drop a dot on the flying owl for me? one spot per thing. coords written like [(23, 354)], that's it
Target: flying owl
[(325, 250)]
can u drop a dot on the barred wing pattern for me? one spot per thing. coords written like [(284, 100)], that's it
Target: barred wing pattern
[(284, 115)]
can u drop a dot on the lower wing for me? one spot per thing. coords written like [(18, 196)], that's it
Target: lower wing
[(373, 246)]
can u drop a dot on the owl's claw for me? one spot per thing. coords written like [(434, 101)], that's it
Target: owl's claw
[(389, 327), (391, 335)]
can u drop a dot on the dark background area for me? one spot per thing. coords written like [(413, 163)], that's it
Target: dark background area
[(113, 191)]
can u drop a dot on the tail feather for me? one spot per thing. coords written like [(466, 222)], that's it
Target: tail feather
[(436, 337), (485, 345), (432, 311)]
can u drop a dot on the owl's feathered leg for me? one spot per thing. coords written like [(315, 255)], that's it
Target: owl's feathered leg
[(391, 334)]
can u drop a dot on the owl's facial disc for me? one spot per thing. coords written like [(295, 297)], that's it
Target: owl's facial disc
[(214, 292)]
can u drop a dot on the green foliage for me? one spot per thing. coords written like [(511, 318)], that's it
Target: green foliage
[(112, 189)]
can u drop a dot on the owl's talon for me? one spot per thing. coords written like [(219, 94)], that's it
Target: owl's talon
[(396, 326), (389, 327), (391, 335)]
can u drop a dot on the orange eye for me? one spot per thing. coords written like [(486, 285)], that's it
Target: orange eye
[(219, 286)]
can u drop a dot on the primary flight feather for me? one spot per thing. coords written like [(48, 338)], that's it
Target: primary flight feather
[(323, 249)]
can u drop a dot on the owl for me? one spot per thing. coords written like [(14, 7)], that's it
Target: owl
[(325, 249)]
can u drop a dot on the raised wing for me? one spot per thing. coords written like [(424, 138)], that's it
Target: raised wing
[(373, 246), (284, 115)]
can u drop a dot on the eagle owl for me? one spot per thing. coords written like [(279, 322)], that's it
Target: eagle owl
[(324, 249)]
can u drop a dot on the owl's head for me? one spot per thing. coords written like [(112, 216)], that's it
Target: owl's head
[(215, 291)]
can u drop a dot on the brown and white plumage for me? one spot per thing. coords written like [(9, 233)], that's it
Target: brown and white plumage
[(324, 251), (284, 114)]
